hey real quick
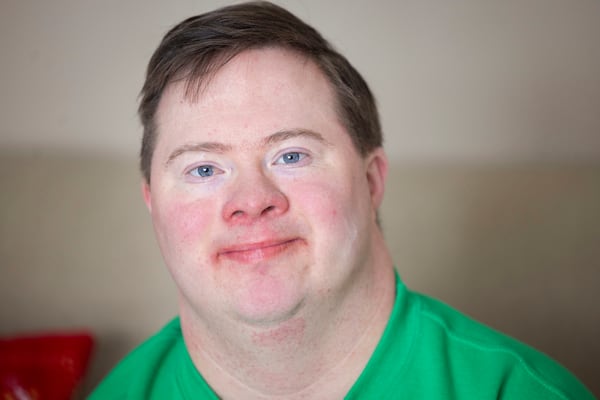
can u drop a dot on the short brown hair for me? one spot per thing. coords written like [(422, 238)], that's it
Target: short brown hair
[(200, 45)]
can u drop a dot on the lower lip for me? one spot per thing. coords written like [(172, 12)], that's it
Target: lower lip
[(257, 254)]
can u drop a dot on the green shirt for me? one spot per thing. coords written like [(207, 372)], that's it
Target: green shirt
[(428, 351)]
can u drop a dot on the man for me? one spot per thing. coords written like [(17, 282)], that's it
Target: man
[(263, 173)]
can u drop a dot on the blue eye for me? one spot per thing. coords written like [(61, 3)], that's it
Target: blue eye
[(292, 157), (203, 171)]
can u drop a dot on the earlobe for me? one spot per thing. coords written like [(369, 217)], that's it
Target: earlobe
[(377, 168), (147, 195)]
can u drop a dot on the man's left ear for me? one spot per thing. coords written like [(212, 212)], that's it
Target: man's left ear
[(377, 169)]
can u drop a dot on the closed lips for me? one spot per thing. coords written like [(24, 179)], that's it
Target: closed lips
[(249, 252)]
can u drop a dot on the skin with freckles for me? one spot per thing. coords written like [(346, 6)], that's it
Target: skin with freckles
[(265, 214)]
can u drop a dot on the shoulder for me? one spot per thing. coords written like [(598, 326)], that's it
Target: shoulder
[(493, 360), (139, 369)]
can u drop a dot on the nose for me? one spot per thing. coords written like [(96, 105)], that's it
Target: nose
[(252, 197)]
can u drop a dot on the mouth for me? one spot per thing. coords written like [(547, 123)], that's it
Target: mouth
[(250, 253)]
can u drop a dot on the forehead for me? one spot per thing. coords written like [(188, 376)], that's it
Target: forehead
[(261, 88)]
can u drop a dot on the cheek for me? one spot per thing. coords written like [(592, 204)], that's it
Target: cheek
[(184, 223), (337, 207), (325, 203)]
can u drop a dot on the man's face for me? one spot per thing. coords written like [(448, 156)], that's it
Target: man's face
[(262, 207)]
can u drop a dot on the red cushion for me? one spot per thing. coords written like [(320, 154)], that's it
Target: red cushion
[(41, 367)]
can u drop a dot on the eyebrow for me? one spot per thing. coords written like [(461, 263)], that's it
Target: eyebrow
[(282, 136), (221, 148), (206, 147)]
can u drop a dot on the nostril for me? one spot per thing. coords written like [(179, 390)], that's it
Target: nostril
[(268, 209), (237, 213)]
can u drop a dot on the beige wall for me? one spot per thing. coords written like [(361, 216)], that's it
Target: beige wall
[(516, 247)]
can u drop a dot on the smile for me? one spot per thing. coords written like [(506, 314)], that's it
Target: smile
[(254, 252)]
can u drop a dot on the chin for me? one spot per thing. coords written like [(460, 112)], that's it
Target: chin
[(268, 301)]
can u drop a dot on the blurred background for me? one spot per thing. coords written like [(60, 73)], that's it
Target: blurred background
[(491, 113)]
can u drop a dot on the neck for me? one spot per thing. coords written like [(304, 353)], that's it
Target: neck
[(314, 354)]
